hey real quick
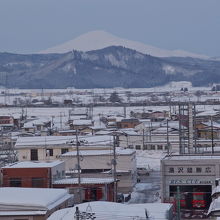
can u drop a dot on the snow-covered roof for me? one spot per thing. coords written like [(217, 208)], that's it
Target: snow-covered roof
[(84, 181), (99, 152), (128, 131), (207, 113), (31, 199), (39, 121), (43, 141), (214, 124), (67, 131), (82, 122), (22, 213), (35, 164), (112, 211), (192, 157)]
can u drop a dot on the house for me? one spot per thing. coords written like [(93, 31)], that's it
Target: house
[(81, 125), (44, 148), (205, 116), (205, 130), (37, 125), (32, 203), (128, 123), (80, 113), (64, 133), (98, 164), (6, 122), (92, 189), (110, 210), (32, 174)]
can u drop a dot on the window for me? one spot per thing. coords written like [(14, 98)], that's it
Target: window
[(208, 170), (64, 150), (152, 147), (138, 147), (130, 146), (198, 169), (63, 173), (189, 169), (15, 182), (145, 147), (37, 182), (34, 154), (159, 147), (49, 152), (171, 170)]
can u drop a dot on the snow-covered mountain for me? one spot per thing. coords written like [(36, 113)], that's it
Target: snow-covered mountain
[(100, 39), (114, 66)]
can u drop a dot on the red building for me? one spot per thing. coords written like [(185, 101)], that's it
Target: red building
[(32, 174), (93, 189)]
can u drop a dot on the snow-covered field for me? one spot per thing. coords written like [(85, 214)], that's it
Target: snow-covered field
[(86, 96)]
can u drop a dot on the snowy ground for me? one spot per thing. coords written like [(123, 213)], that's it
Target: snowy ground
[(149, 159)]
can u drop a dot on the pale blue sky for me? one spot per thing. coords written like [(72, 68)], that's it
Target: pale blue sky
[(28, 26)]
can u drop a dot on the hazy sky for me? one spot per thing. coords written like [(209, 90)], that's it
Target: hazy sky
[(28, 26)]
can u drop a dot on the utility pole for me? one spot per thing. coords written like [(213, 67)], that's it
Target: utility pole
[(61, 121), (168, 143), (78, 166), (212, 135), (114, 163), (195, 130), (143, 139), (124, 107), (150, 128), (178, 203)]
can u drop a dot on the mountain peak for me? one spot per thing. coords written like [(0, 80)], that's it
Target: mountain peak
[(100, 39)]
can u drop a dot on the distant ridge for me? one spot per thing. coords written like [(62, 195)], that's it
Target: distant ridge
[(100, 39), (111, 67)]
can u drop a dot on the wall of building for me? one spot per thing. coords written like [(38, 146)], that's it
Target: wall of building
[(26, 175), (155, 142), (25, 153), (124, 162), (208, 169)]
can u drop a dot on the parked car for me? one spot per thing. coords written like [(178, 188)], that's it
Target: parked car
[(143, 171)]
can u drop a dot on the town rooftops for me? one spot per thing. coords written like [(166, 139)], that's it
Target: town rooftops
[(111, 211), (35, 164), (25, 142), (74, 181), (130, 120), (99, 152), (17, 199), (207, 113), (82, 122)]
